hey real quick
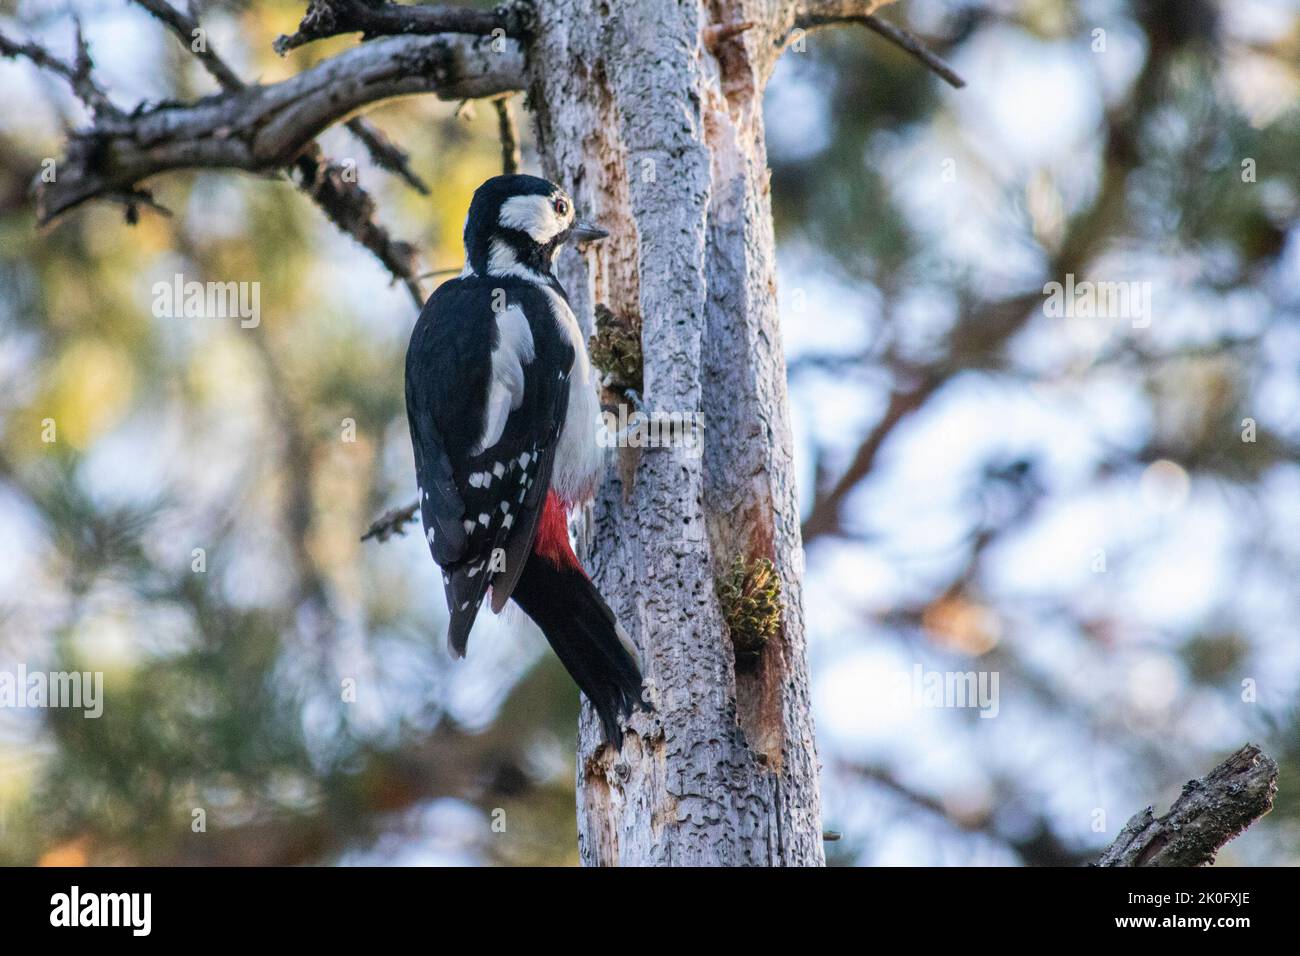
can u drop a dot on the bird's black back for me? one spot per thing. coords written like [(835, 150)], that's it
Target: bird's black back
[(448, 379)]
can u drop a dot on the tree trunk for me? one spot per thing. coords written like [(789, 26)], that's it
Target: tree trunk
[(651, 115)]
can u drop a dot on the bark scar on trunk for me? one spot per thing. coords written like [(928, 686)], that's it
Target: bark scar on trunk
[(725, 38)]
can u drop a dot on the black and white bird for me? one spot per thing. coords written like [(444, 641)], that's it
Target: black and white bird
[(502, 402)]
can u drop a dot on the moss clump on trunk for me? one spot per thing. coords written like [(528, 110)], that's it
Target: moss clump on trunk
[(750, 595), (616, 351)]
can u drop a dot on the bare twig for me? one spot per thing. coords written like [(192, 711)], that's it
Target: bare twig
[(715, 34), (450, 270), (825, 515), (352, 210), (1210, 812), (78, 74), (510, 155), (912, 44), (901, 38), (328, 18), (391, 522), (133, 199), (386, 154), (189, 32)]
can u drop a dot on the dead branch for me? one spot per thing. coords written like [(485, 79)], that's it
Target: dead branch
[(190, 34), (262, 128), (391, 522), (78, 74), (352, 210), (716, 34), (386, 154), (328, 18), (836, 12), (511, 159), (344, 202), (1211, 811)]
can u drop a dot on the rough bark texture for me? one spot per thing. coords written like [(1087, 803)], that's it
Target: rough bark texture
[(1210, 812), (659, 135)]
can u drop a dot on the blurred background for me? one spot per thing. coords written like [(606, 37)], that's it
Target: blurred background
[(1073, 503)]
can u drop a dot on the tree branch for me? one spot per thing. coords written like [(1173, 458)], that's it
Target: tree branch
[(1210, 812), (386, 154), (825, 515), (391, 522), (261, 128), (328, 18), (185, 26), (77, 74), (835, 12), (343, 201), (352, 210), (510, 155)]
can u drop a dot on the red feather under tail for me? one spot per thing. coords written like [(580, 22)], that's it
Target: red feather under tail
[(552, 541)]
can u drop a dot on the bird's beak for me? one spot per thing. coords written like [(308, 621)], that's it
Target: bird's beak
[(583, 231)]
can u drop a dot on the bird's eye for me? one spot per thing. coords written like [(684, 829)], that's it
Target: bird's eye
[(561, 207)]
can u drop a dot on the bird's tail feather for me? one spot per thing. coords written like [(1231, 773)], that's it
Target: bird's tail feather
[(584, 634)]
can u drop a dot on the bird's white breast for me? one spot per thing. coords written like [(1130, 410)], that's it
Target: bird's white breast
[(579, 460)]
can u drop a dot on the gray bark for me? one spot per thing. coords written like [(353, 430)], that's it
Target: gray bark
[(659, 136), (1211, 811)]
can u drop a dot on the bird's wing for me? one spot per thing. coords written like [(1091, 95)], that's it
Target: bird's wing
[(486, 400)]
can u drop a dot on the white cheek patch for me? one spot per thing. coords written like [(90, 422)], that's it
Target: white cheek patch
[(534, 215)]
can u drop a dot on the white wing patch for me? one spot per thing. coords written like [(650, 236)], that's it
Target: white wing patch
[(514, 350)]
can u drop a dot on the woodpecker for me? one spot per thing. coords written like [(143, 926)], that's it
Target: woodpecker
[(502, 403)]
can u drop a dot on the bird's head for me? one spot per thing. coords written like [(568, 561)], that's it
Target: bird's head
[(517, 226)]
